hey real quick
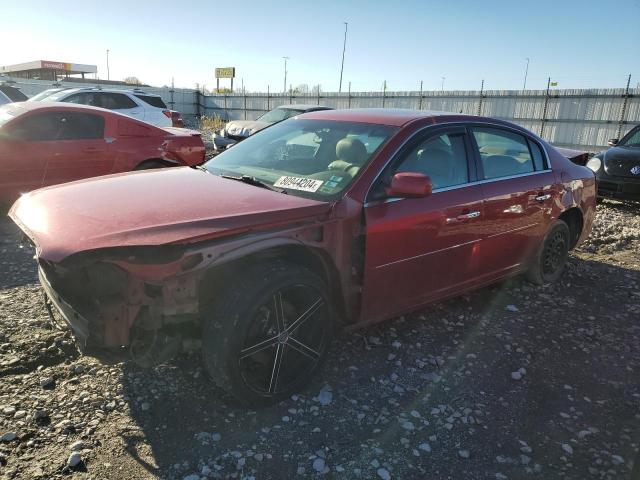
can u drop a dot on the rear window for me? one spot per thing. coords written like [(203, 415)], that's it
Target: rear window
[(152, 100), (133, 129), (114, 101), (503, 153), (13, 93)]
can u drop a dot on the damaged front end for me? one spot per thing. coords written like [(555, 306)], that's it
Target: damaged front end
[(125, 298)]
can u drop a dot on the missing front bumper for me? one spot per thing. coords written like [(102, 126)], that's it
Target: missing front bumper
[(78, 324)]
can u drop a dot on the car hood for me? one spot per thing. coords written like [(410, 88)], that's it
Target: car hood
[(244, 128), (153, 207), (620, 161)]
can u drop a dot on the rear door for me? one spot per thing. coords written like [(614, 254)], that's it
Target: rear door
[(121, 103), (79, 150), (420, 249), (519, 191)]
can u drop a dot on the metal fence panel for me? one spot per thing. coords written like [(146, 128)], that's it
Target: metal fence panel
[(583, 119)]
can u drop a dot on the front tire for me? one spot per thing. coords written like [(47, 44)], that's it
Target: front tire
[(267, 332), (551, 258), (151, 164)]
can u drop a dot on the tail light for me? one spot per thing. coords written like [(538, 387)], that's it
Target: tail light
[(176, 118)]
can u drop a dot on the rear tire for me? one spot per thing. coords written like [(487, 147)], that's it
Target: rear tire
[(267, 332), (552, 256)]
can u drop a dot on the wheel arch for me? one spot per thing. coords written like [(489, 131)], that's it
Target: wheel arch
[(574, 218), (164, 161), (312, 258)]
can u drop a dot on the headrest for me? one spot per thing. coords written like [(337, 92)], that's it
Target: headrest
[(351, 150)]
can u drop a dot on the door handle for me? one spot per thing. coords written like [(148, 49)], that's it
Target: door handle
[(463, 217), (90, 149), (542, 198)]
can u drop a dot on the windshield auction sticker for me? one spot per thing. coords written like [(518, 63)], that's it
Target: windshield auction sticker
[(298, 183)]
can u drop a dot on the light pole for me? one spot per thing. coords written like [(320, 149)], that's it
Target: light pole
[(107, 64), (344, 47), (526, 71), (285, 74), (443, 83)]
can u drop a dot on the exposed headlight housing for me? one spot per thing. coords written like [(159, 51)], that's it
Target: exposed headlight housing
[(594, 164)]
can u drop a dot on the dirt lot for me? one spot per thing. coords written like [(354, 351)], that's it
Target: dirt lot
[(512, 381)]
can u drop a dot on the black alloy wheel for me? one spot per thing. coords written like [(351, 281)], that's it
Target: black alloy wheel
[(268, 332)]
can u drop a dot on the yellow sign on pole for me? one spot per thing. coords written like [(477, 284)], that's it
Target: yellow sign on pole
[(226, 72)]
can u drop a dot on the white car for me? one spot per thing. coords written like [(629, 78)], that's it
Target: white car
[(135, 103)]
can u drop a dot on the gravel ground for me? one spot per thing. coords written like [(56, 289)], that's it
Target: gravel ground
[(512, 381)]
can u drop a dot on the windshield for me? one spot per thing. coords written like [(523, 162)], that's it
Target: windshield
[(279, 114), (45, 94), (631, 139), (56, 96), (311, 158)]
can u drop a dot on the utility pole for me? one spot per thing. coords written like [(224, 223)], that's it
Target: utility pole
[(108, 64), (384, 92), (344, 47), (481, 94), (544, 110), (623, 111), (285, 74), (526, 71)]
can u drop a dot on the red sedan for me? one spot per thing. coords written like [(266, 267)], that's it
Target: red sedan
[(329, 219), (46, 144)]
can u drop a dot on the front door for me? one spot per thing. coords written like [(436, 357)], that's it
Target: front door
[(25, 153), (22, 168), (420, 249)]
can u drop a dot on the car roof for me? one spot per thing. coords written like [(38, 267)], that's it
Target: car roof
[(28, 106), (305, 106), (20, 108), (384, 116), (133, 91), (396, 117)]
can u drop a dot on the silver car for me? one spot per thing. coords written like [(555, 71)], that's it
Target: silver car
[(238, 130)]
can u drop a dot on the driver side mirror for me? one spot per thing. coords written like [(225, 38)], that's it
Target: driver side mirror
[(409, 185), (613, 141)]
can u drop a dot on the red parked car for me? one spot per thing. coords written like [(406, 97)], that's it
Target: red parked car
[(49, 143), (328, 219)]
